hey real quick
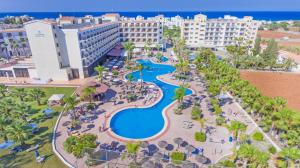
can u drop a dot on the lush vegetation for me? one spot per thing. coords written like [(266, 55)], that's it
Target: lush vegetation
[(252, 156), (272, 114), (196, 112), (171, 34), (177, 157), (200, 136), (19, 107), (243, 57), (258, 136), (77, 144), (179, 95)]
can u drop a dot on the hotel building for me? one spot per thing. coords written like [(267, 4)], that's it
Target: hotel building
[(218, 33), (141, 32), (71, 50), (13, 42)]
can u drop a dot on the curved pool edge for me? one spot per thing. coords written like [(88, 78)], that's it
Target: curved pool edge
[(164, 114)]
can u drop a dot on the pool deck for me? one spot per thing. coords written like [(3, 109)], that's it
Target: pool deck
[(213, 148)]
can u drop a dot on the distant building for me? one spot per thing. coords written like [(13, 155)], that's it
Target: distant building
[(69, 51), (141, 32), (218, 33), (14, 42)]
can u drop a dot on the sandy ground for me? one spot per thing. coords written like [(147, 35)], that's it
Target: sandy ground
[(274, 84), (277, 35)]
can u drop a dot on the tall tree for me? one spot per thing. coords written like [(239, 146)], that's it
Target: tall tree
[(88, 92), (140, 68), (4, 122), (236, 127), (19, 133), (37, 94), (257, 47), (179, 94), (270, 54), (99, 69), (3, 90), (21, 93), (129, 47)]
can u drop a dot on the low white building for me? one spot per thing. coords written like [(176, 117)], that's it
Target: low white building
[(69, 51)]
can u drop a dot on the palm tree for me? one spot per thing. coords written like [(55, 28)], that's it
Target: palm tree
[(5, 50), (147, 48), (290, 154), (236, 127), (70, 102), (140, 68), (130, 79), (179, 94), (3, 90), (22, 111), (88, 92), (21, 93), (15, 46), (129, 46), (19, 133), (99, 69), (4, 122), (6, 106), (37, 94), (132, 149)]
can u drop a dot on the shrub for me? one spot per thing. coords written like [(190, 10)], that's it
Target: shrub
[(76, 145), (227, 163), (258, 136), (220, 120), (132, 148), (196, 112), (177, 157), (272, 150), (200, 136)]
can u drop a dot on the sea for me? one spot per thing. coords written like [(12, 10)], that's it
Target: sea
[(267, 16)]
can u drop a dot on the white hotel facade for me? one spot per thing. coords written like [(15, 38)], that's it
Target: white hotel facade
[(70, 47), (69, 51), (218, 33), (141, 31)]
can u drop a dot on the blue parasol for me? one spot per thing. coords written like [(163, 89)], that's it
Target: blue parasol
[(37, 154)]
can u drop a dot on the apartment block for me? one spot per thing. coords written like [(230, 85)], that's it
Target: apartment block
[(69, 51), (141, 32), (14, 42), (218, 33)]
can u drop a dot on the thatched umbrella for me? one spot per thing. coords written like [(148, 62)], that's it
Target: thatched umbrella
[(162, 144), (201, 159), (189, 149), (170, 166), (144, 145), (178, 141), (158, 156), (189, 165), (148, 164)]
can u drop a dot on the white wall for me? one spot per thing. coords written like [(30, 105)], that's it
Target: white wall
[(44, 52), (73, 50)]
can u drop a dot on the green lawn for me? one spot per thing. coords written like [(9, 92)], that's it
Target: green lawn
[(44, 136)]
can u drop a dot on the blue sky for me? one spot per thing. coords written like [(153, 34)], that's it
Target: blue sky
[(147, 5)]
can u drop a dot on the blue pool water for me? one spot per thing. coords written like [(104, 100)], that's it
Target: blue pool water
[(139, 123)]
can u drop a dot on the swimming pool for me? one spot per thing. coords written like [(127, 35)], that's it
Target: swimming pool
[(141, 123)]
